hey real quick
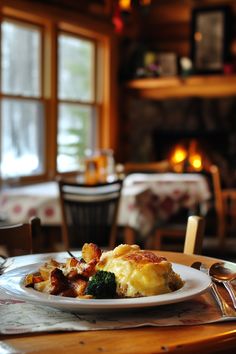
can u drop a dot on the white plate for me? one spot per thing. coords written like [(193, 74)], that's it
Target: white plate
[(196, 282)]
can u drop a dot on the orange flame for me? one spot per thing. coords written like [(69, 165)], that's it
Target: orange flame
[(179, 155), (195, 161), (190, 159)]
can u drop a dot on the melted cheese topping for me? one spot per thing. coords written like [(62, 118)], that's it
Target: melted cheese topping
[(139, 272)]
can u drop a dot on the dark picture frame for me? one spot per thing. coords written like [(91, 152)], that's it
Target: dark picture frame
[(210, 39)]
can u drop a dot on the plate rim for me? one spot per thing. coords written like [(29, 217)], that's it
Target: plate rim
[(66, 303)]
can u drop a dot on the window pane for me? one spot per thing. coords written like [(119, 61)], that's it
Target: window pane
[(21, 138), (20, 59), (75, 134), (75, 69)]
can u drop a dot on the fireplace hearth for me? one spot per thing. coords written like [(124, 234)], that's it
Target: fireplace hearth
[(208, 147), (211, 145)]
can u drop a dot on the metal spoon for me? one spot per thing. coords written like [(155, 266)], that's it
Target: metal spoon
[(225, 308), (224, 273)]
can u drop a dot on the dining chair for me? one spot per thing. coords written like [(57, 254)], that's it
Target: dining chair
[(89, 213), (225, 208), (17, 239), (218, 204), (229, 205), (194, 235)]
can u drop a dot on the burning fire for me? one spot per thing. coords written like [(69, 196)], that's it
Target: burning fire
[(195, 161), (179, 155), (186, 159)]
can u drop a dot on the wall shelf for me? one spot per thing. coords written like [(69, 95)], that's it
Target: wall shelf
[(176, 87)]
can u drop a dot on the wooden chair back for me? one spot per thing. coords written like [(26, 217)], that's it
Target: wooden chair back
[(194, 235), (223, 202), (89, 213), (158, 167), (229, 208), (225, 207), (218, 205), (18, 239)]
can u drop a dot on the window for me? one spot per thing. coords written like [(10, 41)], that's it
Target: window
[(56, 92), (22, 111)]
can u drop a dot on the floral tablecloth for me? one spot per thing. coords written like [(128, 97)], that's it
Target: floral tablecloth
[(145, 199), (157, 197), (21, 317)]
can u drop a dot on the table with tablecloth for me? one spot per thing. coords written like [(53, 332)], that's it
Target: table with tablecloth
[(145, 199)]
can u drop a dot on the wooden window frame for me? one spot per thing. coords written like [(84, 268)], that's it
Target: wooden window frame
[(27, 98), (57, 21)]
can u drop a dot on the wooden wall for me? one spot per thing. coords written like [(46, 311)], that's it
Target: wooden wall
[(96, 8), (167, 26)]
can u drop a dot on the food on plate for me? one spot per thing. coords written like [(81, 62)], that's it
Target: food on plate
[(68, 279), (102, 285), (126, 271), (139, 272)]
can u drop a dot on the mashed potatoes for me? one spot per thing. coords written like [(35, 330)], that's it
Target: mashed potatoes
[(139, 272)]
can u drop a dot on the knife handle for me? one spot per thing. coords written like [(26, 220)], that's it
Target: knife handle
[(221, 302), (231, 292)]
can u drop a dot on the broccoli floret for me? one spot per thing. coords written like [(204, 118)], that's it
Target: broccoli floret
[(102, 285)]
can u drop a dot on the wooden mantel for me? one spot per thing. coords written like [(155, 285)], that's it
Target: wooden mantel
[(177, 87)]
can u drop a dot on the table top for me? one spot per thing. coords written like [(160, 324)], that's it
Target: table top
[(205, 338)]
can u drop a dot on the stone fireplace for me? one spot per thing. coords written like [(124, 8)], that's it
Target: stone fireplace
[(155, 128)]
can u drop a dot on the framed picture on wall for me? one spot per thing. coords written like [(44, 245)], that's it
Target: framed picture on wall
[(210, 38), (168, 64)]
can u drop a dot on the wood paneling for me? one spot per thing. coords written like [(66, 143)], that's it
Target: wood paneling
[(170, 31), (169, 13), (167, 26)]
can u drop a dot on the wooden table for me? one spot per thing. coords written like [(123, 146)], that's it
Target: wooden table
[(210, 338)]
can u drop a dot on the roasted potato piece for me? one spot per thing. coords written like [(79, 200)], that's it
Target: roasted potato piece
[(31, 279), (75, 267), (90, 252), (47, 268), (79, 285), (46, 271), (72, 262), (54, 263), (43, 286), (89, 269), (83, 269)]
